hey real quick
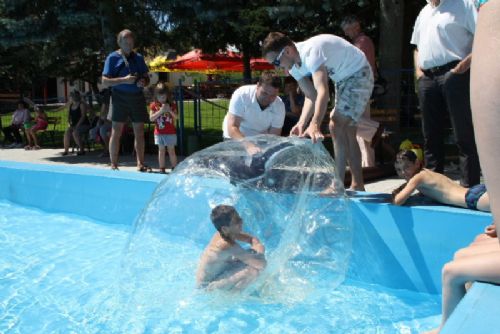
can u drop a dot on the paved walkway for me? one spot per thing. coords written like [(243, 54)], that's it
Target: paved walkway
[(90, 159)]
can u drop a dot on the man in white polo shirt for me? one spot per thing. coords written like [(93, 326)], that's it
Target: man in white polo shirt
[(443, 35), (255, 109)]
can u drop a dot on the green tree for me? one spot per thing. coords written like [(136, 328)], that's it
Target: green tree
[(41, 39)]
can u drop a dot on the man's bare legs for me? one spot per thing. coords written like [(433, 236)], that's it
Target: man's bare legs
[(114, 143), (354, 158), (139, 143), (346, 149), (485, 80)]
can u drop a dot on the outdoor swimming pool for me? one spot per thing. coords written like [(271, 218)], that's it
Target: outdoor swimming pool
[(62, 272)]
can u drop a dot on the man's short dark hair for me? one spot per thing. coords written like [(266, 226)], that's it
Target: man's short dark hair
[(269, 78), (350, 19), (275, 42), (221, 216)]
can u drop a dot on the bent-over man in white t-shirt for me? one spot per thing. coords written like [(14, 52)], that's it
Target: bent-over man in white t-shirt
[(255, 109), (324, 57)]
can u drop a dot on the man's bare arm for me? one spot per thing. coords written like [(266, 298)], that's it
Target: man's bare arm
[(110, 82), (233, 126), (418, 70)]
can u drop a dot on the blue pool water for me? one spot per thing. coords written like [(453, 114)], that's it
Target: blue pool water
[(94, 251), (64, 274)]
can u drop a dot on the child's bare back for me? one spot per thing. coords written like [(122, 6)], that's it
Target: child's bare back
[(441, 188), (435, 185)]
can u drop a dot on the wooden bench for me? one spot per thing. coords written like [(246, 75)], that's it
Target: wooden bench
[(51, 129)]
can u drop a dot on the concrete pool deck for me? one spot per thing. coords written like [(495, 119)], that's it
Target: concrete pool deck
[(51, 156), (127, 163)]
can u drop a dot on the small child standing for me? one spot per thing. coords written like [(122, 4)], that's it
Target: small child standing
[(163, 114)]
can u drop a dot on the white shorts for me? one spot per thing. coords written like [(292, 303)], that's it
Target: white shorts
[(353, 94), (166, 140)]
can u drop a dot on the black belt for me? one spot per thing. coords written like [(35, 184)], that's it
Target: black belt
[(440, 70)]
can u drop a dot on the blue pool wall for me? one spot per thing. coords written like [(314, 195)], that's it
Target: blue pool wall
[(398, 247), (115, 197)]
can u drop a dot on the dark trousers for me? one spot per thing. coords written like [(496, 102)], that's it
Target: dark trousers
[(12, 134), (438, 95)]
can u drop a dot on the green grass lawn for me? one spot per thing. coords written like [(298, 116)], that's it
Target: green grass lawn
[(213, 113)]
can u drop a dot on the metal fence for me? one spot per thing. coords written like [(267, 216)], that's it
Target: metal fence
[(203, 106)]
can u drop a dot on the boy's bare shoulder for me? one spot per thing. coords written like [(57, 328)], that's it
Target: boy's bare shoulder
[(418, 178), (218, 244)]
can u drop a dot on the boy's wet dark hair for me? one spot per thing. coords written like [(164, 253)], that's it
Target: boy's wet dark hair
[(221, 216), (402, 156), (271, 79), (275, 42), (408, 155)]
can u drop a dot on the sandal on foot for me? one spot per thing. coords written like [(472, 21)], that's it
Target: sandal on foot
[(114, 167), (144, 169), (27, 147), (36, 147)]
